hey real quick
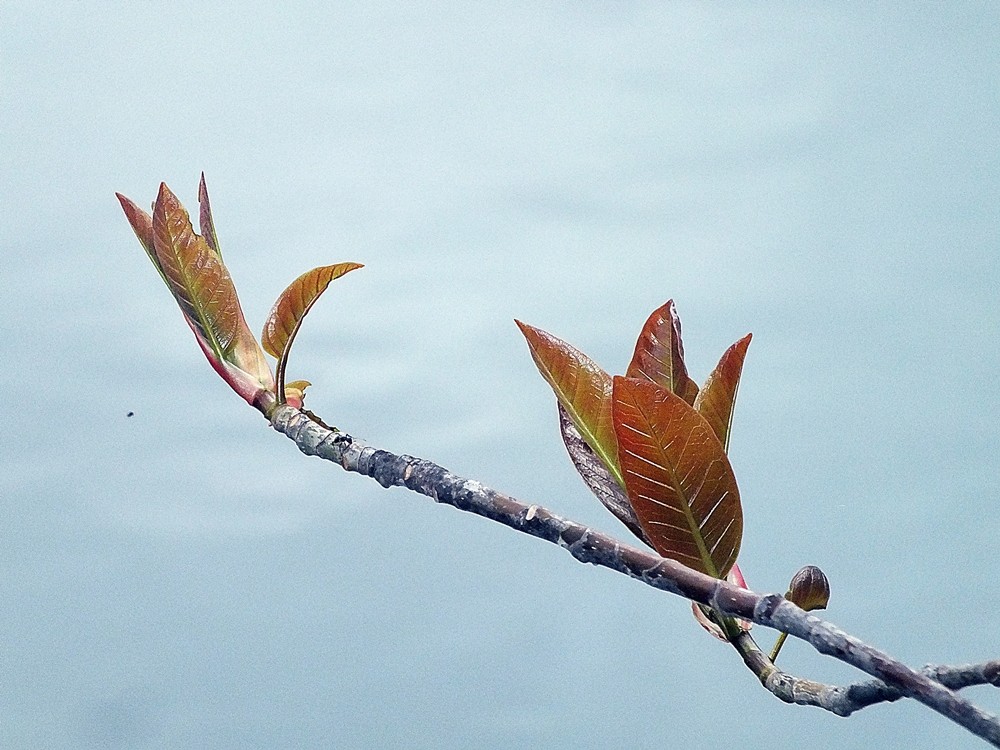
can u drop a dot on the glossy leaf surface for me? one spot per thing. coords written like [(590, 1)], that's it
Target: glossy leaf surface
[(659, 354), (717, 398), (205, 222), (203, 289), (583, 390), (294, 303), (677, 477), (597, 477), (198, 279), (142, 225)]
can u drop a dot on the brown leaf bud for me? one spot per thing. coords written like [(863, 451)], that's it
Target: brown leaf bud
[(809, 589)]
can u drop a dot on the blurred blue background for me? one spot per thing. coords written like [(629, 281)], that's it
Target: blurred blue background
[(825, 176)]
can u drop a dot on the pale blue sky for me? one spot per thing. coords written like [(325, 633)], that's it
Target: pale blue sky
[(826, 177)]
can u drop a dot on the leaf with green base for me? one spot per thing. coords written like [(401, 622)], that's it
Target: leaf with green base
[(200, 283), (677, 477), (285, 318), (583, 390)]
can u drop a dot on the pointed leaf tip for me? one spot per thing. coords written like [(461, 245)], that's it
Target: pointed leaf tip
[(142, 225), (205, 222), (677, 477), (717, 399), (659, 354), (291, 307)]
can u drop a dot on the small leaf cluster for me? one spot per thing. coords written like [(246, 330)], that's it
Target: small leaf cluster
[(191, 266), (652, 446), (660, 441)]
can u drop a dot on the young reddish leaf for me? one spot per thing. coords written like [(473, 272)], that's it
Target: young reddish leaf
[(597, 477), (294, 303), (583, 390), (142, 225), (204, 291), (716, 399), (659, 354), (295, 392), (291, 307), (677, 477), (205, 222)]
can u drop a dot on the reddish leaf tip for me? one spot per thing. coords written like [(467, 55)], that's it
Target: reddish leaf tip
[(166, 197), (659, 353)]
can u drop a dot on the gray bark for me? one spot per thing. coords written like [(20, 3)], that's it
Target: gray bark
[(934, 686)]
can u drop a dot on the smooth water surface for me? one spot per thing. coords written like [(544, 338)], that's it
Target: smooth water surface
[(826, 177)]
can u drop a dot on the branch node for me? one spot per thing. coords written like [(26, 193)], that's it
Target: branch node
[(766, 607)]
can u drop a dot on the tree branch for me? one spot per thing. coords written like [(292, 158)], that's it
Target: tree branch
[(316, 439), (845, 700)]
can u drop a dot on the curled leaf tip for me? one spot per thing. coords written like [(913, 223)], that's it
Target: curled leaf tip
[(291, 307)]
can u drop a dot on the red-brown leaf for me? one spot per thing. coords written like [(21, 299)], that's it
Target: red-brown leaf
[(717, 398), (205, 293), (295, 302), (582, 388), (659, 354), (677, 476), (142, 225), (205, 222), (197, 277)]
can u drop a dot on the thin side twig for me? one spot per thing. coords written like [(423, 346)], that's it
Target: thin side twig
[(589, 546), (844, 700)]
